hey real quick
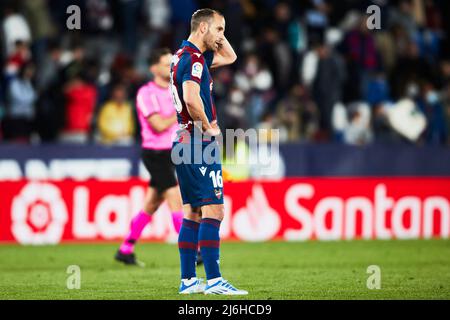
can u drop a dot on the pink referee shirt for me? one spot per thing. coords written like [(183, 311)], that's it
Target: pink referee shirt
[(151, 99)]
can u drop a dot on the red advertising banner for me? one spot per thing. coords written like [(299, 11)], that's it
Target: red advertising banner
[(50, 212)]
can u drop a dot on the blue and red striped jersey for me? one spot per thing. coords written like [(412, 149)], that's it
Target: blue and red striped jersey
[(188, 63)]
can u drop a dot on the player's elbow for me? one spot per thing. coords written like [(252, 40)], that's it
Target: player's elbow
[(191, 108), (233, 58)]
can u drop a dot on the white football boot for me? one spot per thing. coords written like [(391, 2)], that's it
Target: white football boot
[(223, 287)]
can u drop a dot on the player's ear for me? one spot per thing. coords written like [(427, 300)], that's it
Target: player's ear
[(203, 26), (152, 69)]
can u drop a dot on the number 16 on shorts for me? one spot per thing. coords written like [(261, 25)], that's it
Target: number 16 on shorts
[(216, 177)]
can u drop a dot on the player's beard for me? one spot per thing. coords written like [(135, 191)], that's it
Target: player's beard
[(209, 42)]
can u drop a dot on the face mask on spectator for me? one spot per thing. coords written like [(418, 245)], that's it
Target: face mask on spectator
[(237, 97), (412, 90), (432, 97)]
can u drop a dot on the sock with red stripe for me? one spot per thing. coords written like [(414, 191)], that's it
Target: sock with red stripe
[(187, 245), (209, 242)]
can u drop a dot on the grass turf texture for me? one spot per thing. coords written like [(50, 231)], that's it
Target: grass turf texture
[(274, 270)]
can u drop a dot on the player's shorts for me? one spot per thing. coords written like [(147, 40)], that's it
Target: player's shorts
[(200, 179), (161, 169)]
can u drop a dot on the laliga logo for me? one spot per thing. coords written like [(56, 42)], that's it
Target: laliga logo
[(257, 221), (38, 214)]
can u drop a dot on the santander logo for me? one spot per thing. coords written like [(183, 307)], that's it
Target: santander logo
[(373, 210), (38, 214), (257, 221)]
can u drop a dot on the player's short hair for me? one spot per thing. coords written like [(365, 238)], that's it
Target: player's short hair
[(156, 55), (202, 15)]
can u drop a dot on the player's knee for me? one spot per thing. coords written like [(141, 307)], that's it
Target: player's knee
[(192, 216), (197, 210), (190, 213), (219, 216), (214, 212)]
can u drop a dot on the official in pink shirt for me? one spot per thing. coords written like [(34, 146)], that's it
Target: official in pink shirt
[(156, 114), (158, 120)]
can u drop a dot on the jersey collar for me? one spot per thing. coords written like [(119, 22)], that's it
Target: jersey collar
[(187, 43)]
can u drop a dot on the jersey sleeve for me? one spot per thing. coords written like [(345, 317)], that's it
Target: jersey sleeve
[(147, 102), (194, 66)]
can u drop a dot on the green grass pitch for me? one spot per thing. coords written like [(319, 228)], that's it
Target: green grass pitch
[(274, 270)]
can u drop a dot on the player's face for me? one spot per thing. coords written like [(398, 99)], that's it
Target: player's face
[(162, 69), (215, 35)]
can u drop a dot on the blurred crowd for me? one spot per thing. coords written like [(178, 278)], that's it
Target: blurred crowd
[(317, 70)]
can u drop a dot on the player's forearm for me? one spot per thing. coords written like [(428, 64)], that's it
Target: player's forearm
[(197, 113)]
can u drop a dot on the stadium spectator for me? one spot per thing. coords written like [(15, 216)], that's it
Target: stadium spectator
[(20, 111), (255, 80), (49, 82), (2, 109), (14, 27), (282, 46), (361, 55), (377, 89), (19, 56), (409, 15), (80, 97), (327, 86), (409, 71), (288, 114), (382, 131), (41, 26), (358, 132), (234, 110), (128, 12), (115, 120), (317, 20), (430, 104), (445, 94)]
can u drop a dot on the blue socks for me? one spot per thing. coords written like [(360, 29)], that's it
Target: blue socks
[(209, 242), (187, 245), (206, 234)]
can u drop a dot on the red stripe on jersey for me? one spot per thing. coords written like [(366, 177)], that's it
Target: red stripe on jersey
[(196, 57)]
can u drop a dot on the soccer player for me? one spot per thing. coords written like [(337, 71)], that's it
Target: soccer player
[(158, 121), (201, 184)]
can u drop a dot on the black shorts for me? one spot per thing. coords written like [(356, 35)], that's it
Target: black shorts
[(162, 171)]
